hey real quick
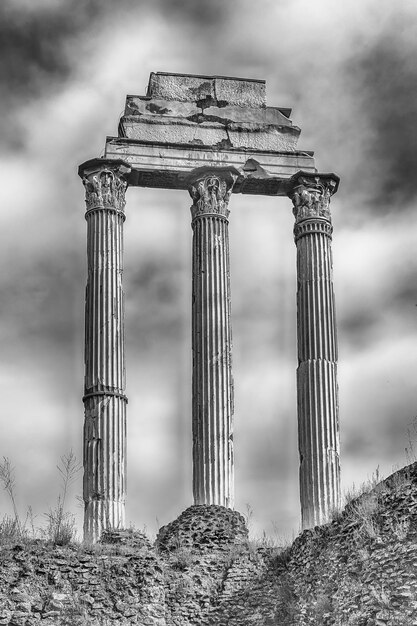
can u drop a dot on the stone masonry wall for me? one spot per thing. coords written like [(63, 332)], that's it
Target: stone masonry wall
[(360, 570)]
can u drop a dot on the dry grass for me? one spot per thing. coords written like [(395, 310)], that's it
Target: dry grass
[(182, 559), (365, 488), (9, 530), (7, 477), (60, 528), (61, 524)]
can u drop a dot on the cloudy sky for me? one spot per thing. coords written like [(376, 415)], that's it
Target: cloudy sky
[(349, 73)]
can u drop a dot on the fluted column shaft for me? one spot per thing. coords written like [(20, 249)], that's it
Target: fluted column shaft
[(212, 386), (317, 391), (104, 487)]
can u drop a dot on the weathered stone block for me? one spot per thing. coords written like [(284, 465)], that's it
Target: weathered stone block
[(143, 105), (267, 115), (177, 133), (207, 89), (240, 91), (211, 134)]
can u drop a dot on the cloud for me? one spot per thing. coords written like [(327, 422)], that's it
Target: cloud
[(347, 72), (33, 46), (374, 270), (377, 405), (35, 59), (382, 77), (203, 16)]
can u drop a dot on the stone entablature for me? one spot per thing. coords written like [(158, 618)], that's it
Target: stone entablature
[(185, 122), (206, 111)]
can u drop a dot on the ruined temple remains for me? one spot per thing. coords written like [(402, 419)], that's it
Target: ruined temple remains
[(213, 137)]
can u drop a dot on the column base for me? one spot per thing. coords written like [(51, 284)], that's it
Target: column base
[(102, 515)]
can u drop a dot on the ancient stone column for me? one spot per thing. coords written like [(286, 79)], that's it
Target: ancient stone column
[(212, 387), (104, 487), (317, 392)]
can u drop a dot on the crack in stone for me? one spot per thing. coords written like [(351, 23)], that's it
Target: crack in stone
[(209, 101), (200, 118), (155, 108), (224, 144)]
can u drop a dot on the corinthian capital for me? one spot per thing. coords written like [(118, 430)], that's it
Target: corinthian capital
[(310, 195), (105, 183), (210, 190)]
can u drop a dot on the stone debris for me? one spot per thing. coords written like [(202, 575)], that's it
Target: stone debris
[(125, 537), (204, 528)]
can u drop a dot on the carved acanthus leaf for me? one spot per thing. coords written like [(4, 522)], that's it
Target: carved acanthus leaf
[(211, 194), (311, 198), (105, 188)]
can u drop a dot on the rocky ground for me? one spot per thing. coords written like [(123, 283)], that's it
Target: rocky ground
[(361, 570)]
